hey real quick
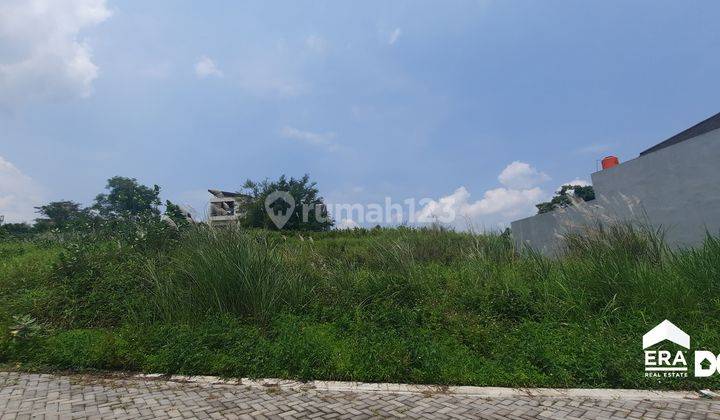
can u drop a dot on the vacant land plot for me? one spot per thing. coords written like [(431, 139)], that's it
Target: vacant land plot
[(381, 305)]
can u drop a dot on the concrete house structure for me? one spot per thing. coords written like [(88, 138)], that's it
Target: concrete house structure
[(674, 186), (226, 207)]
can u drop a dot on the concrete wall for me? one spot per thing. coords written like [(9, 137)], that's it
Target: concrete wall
[(676, 188)]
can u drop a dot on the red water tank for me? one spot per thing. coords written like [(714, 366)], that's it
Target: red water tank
[(610, 161)]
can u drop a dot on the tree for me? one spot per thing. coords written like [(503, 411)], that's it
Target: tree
[(127, 198), (15, 229), (176, 213), (58, 214), (565, 196), (308, 204)]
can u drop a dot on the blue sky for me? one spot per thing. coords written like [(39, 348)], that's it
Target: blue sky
[(374, 99)]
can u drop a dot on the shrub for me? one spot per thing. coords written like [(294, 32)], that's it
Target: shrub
[(82, 349)]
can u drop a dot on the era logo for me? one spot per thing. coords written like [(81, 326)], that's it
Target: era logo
[(663, 363), (660, 360)]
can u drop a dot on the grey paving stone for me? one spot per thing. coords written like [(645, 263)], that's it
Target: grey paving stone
[(24, 395)]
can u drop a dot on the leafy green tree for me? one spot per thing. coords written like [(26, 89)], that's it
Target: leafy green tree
[(176, 213), (563, 197), (15, 229), (308, 204), (58, 214), (127, 198)]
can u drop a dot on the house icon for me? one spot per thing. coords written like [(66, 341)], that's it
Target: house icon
[(666, 330), (280, 206)]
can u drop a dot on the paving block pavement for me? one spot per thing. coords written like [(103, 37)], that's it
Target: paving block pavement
[(45, 396)]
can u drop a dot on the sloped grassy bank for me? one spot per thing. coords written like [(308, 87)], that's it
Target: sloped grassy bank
[(391, 305)]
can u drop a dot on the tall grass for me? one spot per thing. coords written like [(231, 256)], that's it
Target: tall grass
[(227, 271), (618, 241), (417, 305), (608, 273)]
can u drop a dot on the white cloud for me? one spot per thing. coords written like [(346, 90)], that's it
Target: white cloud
[(316, 139), (520, 175), (497, 207), (42, 55), (206, 67), (18, 194), (316, 43), (394, 36)]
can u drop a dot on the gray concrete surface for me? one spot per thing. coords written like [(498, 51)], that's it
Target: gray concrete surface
[(676, 189), (24, 395)]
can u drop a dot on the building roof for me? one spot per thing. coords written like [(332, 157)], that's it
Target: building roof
[(226, 194), (710, 124)]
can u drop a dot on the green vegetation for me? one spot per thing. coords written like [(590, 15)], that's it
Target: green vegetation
[(126, 197), (397, 305), (59, 215), (565, 197), (114, 286), (309, 213)]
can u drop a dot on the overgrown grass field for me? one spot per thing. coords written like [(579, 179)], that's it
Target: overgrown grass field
[(390, 305)]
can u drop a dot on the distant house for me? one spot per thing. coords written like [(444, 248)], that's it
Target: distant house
[(674, 186), (226, 207)]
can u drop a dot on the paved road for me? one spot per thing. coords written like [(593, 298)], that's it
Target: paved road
[(80, 396)]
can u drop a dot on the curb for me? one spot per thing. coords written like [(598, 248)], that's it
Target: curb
[(480, 392)]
